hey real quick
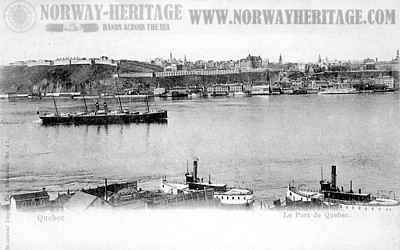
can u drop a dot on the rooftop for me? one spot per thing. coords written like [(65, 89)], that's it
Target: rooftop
[(29, 196), (237, 191), (80, 200)]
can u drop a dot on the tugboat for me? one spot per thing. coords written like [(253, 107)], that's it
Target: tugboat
[(330, 195), (335, 196), (227, 196), (103, 116)]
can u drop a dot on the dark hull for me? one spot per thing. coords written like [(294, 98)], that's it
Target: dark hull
[(152, 117)]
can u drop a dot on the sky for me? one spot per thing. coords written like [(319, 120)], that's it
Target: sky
[(296, 43)]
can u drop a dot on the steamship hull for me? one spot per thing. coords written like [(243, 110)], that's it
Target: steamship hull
[(330, 196), (235, 197), (110, 118)]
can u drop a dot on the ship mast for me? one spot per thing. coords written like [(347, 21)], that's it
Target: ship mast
[(55, 105), (120, 105), (147, 103), (269, 82), (322, 174), (84, 101)]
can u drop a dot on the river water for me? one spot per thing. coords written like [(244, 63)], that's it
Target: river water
[(261, 142)]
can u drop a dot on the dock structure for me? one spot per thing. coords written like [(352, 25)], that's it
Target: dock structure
[(198, 198), (128, 195)]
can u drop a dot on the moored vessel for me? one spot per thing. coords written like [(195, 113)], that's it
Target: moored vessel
[(226, 195), (103, 116), (338, 91), (331, 196)]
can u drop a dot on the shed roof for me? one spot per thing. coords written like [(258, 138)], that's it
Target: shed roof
[(80, 200), (30, 196)]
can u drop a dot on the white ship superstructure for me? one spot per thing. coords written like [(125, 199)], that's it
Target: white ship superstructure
[(227, 196)]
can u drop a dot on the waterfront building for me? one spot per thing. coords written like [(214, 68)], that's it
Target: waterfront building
[(301, 67), (61, 61), (250, 62), (17, 63), (386, 81), (170, 67), (260, 90), (30, 200), (32, 63), (134, 75), (369, 64), (105, 61), (78, 61), (218, 90), (235, 87)]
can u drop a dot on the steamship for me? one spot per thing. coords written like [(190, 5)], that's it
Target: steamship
[(226, 195), (103, 116), (330, 195)]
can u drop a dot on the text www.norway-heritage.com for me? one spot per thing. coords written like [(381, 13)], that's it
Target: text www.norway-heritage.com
[(175, 12)]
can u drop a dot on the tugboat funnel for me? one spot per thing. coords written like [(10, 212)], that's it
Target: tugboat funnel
[(195, 170), (333, 177)]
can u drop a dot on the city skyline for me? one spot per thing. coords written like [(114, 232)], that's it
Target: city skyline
[(296, 43), (280, 60)]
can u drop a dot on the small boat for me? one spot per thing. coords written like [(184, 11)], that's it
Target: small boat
[(219, 93), (179, 92), (287, 91), (239, 93), (384, 90), (226, 195), (312, 91)]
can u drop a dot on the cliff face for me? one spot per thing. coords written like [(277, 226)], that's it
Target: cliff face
[(53, 78), (82, 78)]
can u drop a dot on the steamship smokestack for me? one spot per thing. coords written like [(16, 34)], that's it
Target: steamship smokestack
[(195, 170), (333, 177), (351, 186)]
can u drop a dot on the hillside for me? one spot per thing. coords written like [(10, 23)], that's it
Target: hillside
[(83, 78)]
